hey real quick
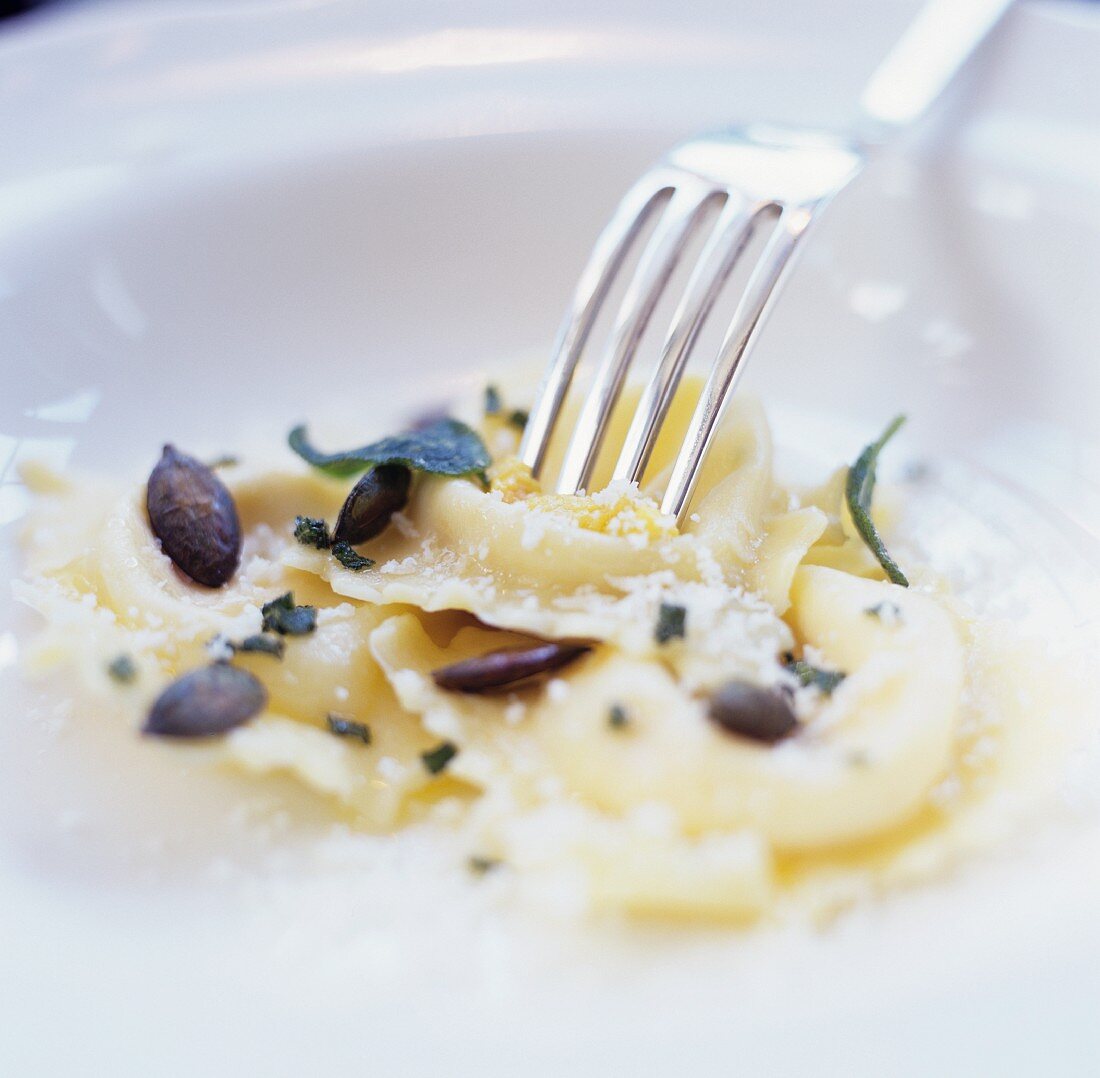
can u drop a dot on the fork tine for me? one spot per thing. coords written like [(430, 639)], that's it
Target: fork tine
[(726, 243), (759, 295), (659, 259), (607, 256)]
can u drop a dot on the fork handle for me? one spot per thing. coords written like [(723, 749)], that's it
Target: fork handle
[(936, 44)]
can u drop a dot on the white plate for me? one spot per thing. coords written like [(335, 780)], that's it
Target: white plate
[(279, 210)]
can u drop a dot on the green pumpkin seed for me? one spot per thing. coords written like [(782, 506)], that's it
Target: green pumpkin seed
[(506, 666), (193, 515), (752, 711), (206, 702), (379, 494)]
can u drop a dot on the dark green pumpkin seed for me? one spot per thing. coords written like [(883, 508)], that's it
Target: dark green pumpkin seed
[(379, 494), (206, 702), (505, 667), (192, 513), (739, 707)]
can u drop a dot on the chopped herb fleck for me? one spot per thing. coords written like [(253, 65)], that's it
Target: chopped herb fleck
[(310, 531), (479, 866), (493, 403), (435, 760), (283, 617), (859, 490), (263, 643), (342, 727), (349, 557), (518, 418), (671, 623), (122, 669), (617, 717), (808, 674), (446, 447), (227, 460), (889, 613)]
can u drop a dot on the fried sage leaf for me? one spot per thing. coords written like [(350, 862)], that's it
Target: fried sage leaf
[(505, 667), (808, 674), (206, 702), (748, 710), (671, 623), (262, 644), (859, 490), (445, 447), (366, 512), (343, 727), (122, 669), (312, 531), (618, 718), (193, 515), (284, 617), (436, 760), (493, 403), (480, 865), (350, 558)]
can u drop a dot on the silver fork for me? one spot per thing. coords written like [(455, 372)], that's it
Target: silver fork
[(750, 175)]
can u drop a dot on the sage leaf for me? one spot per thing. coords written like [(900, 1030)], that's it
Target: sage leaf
[(859, 490)]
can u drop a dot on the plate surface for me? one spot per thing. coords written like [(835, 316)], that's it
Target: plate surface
[(217, 219)]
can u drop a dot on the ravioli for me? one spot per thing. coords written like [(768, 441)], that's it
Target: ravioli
[(617, 772)]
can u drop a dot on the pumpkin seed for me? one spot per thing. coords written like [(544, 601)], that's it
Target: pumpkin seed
[(192, 513), (379, 494), (206, 702), (739, 707), (505, 667)]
